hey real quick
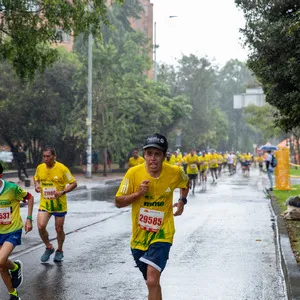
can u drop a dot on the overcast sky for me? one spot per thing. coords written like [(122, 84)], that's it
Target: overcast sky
[(202, 27)]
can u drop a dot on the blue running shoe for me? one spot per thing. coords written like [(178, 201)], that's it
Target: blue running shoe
[(59, 255), (45, 257)]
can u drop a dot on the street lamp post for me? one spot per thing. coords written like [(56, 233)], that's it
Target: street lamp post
[(89, 109)]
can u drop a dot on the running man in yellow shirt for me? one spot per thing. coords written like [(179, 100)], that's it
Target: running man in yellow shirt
[(11, 225), (149, 189), (135, 159), (213, 165), (203, 162), (53, 180), (192, 162)]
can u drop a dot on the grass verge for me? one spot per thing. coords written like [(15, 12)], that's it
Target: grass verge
[(293, 226)]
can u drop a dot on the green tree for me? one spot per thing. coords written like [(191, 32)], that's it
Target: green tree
[(27, 28), (261, 120), (127, 106), (38, 111), (272, 35)]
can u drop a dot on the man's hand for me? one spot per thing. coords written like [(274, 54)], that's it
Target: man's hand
[(144, 187), (28, 225), (180, 208)]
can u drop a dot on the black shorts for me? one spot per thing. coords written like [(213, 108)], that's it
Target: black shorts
[(192, 176)]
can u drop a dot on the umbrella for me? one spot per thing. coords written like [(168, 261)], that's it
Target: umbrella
[(268, 147)]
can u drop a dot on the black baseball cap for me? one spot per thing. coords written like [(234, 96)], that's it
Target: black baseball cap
[(156, 141)]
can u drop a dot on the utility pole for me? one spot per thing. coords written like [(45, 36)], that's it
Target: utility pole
[(89, 109)]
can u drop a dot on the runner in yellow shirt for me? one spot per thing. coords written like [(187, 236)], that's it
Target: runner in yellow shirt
[(170, 158), (11, 225), (192, 162), (136, 159), (203, 162), (148, 188), (53, 181), (260, 160), (178, 158), (213, 165)]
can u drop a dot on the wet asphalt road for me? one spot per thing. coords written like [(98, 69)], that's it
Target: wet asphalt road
[(224, 249)]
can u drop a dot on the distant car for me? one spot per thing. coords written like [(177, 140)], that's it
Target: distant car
[(6, 156)]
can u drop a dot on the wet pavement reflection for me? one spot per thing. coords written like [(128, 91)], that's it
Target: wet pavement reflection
[(225, 248)]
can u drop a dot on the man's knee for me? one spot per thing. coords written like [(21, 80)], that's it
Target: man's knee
[(153, 277), (41, 227), (59, 228)]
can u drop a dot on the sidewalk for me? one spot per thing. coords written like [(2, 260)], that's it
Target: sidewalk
[(83, 182)]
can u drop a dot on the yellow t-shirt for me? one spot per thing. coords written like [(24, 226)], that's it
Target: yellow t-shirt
[(178, 160), (213, 160), (192, 164), (260, 159), (152, 213), (171, 161), (134, 162), (10, 197), (248, 157), (51, 180), (203, 160)]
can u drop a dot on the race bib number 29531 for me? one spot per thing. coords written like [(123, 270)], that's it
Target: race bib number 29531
[(150, 220)]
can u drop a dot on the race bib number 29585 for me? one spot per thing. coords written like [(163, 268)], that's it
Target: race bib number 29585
[(150, 220)]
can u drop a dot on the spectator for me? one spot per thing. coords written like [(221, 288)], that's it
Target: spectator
[(21, 160), (95, 160), (83, 161), (270, 168), (109, 161)]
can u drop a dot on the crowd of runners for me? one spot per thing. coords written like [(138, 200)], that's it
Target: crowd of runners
[(201, 165), (147, 186)]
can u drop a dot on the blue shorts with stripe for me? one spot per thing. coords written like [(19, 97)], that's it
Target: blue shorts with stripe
[(12, 237), (156, 256)]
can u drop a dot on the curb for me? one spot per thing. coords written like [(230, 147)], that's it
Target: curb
[(288, 261)]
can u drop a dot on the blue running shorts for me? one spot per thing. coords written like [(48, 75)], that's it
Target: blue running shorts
[(12, 237), (55, 214), (156, 256)]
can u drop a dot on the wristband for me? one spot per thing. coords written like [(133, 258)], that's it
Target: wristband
[(183, 199), (29, 218)]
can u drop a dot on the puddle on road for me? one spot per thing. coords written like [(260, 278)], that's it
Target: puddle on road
[(101, 193)]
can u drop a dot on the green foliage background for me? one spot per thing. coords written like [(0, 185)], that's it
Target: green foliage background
[(47, 102)]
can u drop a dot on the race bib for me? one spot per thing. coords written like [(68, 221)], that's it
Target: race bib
[(49, 192), (150, 220), (193, 166), (5, 215)]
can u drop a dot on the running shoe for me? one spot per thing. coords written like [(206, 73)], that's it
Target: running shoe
[(45, 257), (13, 297), (17, 276), (59, 255)]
